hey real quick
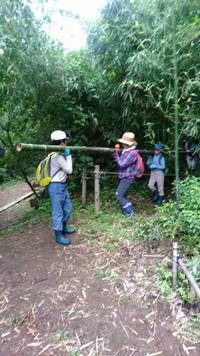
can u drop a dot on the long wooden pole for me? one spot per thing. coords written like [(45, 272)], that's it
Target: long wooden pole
[(49, 148), (52, 148)]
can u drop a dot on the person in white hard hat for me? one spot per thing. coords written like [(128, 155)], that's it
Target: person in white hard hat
[(61, 166)]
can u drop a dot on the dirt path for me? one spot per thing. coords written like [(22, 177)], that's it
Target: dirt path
[(9, 195), (12, 193), (81, 300)]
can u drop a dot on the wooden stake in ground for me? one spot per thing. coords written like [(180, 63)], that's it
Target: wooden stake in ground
[(174, 264), (84, 187), (97, 188)]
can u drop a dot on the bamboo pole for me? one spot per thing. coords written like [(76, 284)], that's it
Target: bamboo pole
[(53, 148), (189, 277), (49, 148), (9, 205)]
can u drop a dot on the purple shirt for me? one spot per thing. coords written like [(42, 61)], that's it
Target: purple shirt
[(126, 163)]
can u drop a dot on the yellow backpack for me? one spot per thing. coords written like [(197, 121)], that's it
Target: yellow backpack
[(43, 171)]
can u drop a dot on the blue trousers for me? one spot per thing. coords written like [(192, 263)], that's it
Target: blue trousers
[(122, 189), (60, 204)]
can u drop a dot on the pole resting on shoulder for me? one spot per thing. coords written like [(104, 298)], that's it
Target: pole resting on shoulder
[(49, 148), (52, 148)]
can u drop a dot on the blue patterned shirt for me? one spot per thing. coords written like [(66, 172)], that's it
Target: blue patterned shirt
[(126, 162)]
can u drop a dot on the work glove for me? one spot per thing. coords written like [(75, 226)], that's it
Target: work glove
[(67, 152)]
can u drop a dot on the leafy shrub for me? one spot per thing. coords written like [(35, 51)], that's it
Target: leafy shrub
[(184, 289), (185, 226), (164, 282)]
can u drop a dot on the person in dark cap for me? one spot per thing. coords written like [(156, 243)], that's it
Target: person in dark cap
[(157, 165), (191, 157)]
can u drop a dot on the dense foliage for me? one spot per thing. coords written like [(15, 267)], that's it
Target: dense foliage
[(185, 227), (133, 45), (41, 88), (124, 81)]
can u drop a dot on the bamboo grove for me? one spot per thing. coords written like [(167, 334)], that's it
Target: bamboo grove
[(123, 80)]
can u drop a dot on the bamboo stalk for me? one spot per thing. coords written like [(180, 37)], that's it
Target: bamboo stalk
[(49, 148), (176, 111), (7, 206), (52, 148), (189, 277)]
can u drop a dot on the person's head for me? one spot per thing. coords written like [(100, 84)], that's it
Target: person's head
[(157, 148), (190, 139), (59, 137), (128, 140)]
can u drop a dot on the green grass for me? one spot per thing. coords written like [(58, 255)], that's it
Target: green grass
[(190, 330), (15, 319), (109, 223), (61, 335), (29, 217)]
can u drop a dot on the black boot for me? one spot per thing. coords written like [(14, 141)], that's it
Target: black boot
[(156, 196), (160, 200)]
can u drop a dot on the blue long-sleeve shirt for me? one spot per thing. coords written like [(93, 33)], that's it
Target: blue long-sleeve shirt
[(156, 162)]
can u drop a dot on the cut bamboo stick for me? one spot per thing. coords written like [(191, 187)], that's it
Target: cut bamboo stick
[(57, 148), (189, 277), (5, 207), (33, 147), (49, 148)]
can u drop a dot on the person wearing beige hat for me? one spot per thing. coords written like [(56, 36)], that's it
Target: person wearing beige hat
[(128, 139), (126, 162)]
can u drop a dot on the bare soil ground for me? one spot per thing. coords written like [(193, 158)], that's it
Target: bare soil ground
[(12, 193), (81, 300)]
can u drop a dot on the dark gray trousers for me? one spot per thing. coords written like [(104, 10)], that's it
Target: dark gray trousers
[(122, 189)]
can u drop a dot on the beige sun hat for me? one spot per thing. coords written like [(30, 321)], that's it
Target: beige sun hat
[(128, 138)]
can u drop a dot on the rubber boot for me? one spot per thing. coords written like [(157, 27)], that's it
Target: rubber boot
[(155, 197), (128, 211), (160, 200), (68, 230), (60, 238)]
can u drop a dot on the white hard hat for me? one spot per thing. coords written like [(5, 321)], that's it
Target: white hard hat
[(58, 135)]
